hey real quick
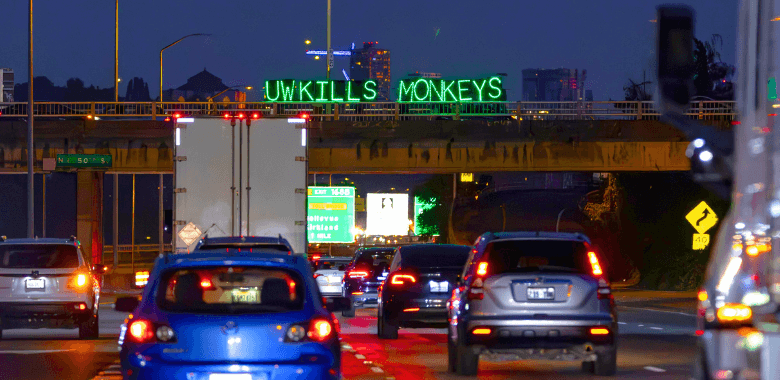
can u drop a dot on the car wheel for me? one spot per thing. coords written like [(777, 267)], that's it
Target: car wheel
[(90, 329), (700, 371), (467, 362), (388, 330), (606, 362), (587, 367), (452, 355)]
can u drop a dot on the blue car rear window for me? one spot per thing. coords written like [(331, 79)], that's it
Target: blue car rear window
[(231, 290), (28, 256)]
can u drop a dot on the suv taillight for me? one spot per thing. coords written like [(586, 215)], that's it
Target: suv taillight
[(357, 274), (594, 264), (475, 290), (604, 291), (79, 281)]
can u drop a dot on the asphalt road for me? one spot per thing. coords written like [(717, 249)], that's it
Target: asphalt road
[(656, 341)]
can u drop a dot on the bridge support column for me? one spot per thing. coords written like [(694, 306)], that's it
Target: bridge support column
[(89, 213)]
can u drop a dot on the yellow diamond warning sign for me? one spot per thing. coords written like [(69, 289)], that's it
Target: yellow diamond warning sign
[(702, 218)]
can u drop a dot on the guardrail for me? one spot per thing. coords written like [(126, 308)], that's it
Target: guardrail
[(593, 110), (139, 253)]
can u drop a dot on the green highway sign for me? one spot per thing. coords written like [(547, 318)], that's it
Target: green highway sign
[(331, 214), (84, 161)]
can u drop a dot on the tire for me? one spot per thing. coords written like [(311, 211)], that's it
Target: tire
[(587, 367), (606, 362), (452, 355), (700, 371), (385, 329), (467, 362), (90, 329)]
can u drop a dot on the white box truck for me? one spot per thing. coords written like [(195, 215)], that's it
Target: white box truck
[(239, 180)]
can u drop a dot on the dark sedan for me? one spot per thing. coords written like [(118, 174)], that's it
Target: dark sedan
[(418, 286)]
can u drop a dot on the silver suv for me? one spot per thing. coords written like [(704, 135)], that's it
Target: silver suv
[(533, 295), (48, 283)]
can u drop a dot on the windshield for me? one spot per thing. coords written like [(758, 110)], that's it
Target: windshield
[(435, 256), (536, 255), (231, 290), (374, 258), (29, 256)]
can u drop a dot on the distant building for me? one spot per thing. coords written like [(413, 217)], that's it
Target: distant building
[(553, 85), (6, 85), (418, 74), (372, 63), (200, 87)]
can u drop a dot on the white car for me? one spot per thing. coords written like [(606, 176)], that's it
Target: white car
[(328, 272)]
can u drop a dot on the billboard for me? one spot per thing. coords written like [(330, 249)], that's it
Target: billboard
[(331, 214), (387, 214), (421, 204)]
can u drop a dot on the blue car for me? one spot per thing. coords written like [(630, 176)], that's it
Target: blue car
[(230, 315)]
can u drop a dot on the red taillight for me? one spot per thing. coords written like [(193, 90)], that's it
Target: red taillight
[(357, 274), (226, 115), (206, 284), (176, 115), (481, 331), (599, 331), (141, 331), (594, 264), (402, 279), (255, 115), (316, 257), (482, 268), (241, 116), (320, 330)]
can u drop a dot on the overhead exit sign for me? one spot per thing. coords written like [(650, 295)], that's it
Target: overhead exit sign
[(84, 161), (331, 214)]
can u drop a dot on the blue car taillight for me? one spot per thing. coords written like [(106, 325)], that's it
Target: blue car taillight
[(316, 330), (143, 331)]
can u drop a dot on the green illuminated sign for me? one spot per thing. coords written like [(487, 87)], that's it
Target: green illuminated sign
[(423, 90), (420, 205), (84, 160), (331, 214), (320, 91), (771, 89)]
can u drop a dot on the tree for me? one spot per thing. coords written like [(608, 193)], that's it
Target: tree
[(137, 91), (638, 91), (435, 220), (712, 76)]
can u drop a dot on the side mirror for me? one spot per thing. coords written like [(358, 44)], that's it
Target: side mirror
[(338, 304), (126, 304), (676, 66), (99, 269)]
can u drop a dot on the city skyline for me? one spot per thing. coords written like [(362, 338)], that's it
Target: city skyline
[(613, 41)]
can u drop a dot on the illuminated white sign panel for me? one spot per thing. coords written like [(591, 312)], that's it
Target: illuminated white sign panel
[(387, 214)]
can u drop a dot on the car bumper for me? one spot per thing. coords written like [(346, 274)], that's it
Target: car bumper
[(330, 290), (189, 371), (539, 334), (364, 299), (419, 311), (16, 315), (723, 352)]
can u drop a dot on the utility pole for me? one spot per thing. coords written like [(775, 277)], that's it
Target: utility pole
[(330, 50), (30, 147), (116, 51)]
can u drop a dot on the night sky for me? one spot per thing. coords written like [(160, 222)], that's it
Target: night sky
[(257, 40)]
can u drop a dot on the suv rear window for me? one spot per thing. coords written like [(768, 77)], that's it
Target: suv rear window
[(273, 247), (375, 258), (30, 256), (231, 290), (517, 256), (435, 256)]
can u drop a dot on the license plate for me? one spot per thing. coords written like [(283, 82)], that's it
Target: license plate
[(440, 286), (230, 376), (34, 283), (541, 293), (245, 296)]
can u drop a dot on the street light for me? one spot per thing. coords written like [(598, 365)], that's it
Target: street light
[(161, 61)]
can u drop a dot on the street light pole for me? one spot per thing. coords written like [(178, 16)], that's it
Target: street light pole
[(161, 59), (330, 51), (30, 147), (558, 222), (116, 51)]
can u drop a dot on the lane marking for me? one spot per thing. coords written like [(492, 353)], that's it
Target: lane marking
[(641, 325), (377, 370), (622, 323), (656, 328), (359, 356), (32, 352), (655, 369), (658, 311)]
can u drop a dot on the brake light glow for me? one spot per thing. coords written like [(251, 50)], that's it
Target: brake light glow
[(357, 293), (411, 310), (141, 331), (141, 278), (481, 331), (599, 331), (482, 268), (320, 330), (358, 274), (401, 279), (734, 312), (594, 263), (206, 283)]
